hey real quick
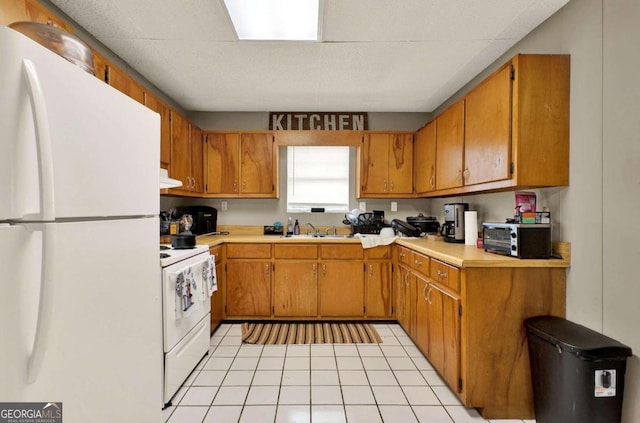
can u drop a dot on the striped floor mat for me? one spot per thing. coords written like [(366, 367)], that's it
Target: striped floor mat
[(309, 333)]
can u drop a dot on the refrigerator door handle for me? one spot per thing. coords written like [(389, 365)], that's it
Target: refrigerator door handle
[(43, 143), (45, 307)]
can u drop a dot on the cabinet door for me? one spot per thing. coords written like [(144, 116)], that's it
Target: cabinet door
[(375, 164), (256, 164), (197, 148), (163, 110), (341, 285), (422, 316), (400, 164), (400, 295), (487, 143), (295, 290), (450, 147), (378, 287), (217, 298), (180, 151), (124, 83), (444, 334), (424, 159), (30, 11), (248, 288), (223, 169)]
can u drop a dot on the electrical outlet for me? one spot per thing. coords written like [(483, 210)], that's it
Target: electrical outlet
[(223, 205), (362, 205), (394, 206)]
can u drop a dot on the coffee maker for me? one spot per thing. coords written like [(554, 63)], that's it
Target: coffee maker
[(453, 227)]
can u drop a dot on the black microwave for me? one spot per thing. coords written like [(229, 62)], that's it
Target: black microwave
[(526, 241)]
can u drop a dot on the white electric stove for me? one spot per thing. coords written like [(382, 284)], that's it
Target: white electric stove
[(186, 314)]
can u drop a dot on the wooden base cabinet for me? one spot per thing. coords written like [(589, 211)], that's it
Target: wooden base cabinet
[(341, 287), (217, 298), (295, 288), (248, 280)]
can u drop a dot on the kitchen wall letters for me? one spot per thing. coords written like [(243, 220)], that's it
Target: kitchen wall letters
[(317, 121)]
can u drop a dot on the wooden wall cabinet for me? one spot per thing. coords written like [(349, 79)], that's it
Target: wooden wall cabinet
[(386, 165), (241, 165), (155, 104), (186, 155), (30, 11), (511, 131), (424, 159), (450, 147)]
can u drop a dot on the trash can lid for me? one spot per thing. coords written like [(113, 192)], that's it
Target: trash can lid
[(575, 338)]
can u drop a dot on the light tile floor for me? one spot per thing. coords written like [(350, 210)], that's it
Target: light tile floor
[(332, 383)]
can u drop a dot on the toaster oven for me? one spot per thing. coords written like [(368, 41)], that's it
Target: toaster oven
[(526, 241)]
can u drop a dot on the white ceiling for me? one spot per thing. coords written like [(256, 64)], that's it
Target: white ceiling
[(375, 55)]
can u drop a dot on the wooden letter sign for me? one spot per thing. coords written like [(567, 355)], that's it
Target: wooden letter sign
[(317, 121)]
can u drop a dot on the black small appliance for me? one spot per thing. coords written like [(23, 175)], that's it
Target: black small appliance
[(205, 218)]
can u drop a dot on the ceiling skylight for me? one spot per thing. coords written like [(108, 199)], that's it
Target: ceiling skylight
[(274, 19)]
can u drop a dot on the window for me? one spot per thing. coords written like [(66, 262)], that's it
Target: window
[(317, 177)]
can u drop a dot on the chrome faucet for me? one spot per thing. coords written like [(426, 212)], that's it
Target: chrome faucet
[(314, 228), (335, 230)]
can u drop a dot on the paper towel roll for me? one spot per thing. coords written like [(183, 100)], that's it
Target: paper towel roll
[(470, 227)]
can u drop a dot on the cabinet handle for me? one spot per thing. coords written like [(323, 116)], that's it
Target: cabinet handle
[(406, 279), (424, 288), (442, 274), (324, 270), (267, 267), (401, 254), (391, 190), (432, 181), (244, 185), (459, 176), (385, 186), (417, 262), (371, 270), (315, 269), (466, 174), (429, 295), (235, 186)]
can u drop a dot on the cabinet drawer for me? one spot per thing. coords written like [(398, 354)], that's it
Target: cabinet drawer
[(217, 252), (333, 251), (290, 251), (420, 263), (403, 255), (249, 251), (446, 275), (381, 252)]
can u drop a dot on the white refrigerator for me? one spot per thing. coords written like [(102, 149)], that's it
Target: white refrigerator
[(80, 294)]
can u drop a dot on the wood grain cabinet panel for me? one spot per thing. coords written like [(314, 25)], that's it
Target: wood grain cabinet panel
[(217, 298), (378, 288), (424, 159), (341, 288), (386, 165), (29, 11), (510, 131), (243, 165), (450, 147), (248, 288), (295, 288), (186, 155), (155, 104)]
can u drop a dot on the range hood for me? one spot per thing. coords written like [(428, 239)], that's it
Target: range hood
[(166, 182)]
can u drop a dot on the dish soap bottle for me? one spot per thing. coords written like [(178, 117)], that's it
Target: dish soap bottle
[(289, 227), (296, 228)]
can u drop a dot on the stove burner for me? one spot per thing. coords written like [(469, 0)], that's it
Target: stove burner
[(164, 255), (164, 247)]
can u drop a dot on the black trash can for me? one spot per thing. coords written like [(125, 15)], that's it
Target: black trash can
[(577, 373)]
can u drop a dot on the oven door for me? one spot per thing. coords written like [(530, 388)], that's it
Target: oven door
[(185, 298)]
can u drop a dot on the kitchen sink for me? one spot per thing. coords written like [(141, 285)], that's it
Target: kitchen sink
[(339, 236)]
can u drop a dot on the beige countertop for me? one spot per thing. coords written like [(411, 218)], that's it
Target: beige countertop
[(455, 254)]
